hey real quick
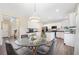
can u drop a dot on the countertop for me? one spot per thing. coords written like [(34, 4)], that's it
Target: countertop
[(56, 31)]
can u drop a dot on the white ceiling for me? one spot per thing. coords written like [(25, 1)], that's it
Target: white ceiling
[(46, 11)]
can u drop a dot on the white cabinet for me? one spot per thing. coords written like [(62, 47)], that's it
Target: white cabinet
[(50, 36), (72, 18), (69, 39), (60, 35)]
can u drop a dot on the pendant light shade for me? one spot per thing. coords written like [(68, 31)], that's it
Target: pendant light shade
[(34, 17)]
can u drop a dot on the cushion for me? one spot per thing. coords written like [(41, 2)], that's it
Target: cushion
[(43, 48), (15, 46), (24, 51)]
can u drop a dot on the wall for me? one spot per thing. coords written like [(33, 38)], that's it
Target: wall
[(1, 40), (72, 17), (58, 24), (34, 22), (76, 49), (13, 25), (6, 26), (21, 23)]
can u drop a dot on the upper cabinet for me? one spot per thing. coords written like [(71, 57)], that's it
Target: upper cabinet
[(72, 19)]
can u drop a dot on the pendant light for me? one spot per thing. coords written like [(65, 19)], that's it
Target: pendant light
[(34, 17)]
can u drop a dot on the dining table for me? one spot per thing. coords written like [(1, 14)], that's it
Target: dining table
[(30, 44)]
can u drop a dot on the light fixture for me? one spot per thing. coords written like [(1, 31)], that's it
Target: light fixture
[(34, 17)]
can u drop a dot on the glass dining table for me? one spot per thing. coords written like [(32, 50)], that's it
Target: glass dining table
[(30, 44)]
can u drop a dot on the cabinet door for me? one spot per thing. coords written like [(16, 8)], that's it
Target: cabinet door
[(60, 35), (5, 30), (50, 36), (69, 39)]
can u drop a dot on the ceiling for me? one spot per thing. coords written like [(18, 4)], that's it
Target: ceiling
[(48, 12)]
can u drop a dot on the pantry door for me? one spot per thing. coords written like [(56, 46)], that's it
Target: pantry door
[(5, 29)]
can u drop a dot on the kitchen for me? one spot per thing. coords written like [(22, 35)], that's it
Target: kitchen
[(59, 24)]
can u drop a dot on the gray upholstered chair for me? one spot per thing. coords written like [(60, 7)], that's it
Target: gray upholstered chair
[(45, 48), (24, 51), (20, 51), (9, 49)]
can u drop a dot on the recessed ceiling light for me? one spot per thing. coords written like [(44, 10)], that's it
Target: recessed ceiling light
[(57, 10)]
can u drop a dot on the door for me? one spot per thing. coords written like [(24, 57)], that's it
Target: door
[(5, 29)]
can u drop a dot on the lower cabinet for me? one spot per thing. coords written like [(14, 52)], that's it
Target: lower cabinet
[(50, 36), (69, 39)]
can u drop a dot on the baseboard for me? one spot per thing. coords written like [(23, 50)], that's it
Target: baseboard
[(60, 38)]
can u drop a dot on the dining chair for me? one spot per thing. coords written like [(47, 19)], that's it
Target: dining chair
[(9, 49), (44, 49), (24, 51), (50, 52)]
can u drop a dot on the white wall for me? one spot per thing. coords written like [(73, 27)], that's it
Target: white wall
[(13, 25), (5, 29), (21, 24), (1, 40), (6, 26), (77, 37), (72, 18), (76, 49), (35, 23), (58, 24)]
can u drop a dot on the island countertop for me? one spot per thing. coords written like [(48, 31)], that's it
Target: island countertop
[(56, 31)]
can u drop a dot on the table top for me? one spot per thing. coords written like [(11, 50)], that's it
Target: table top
[(26, 43)]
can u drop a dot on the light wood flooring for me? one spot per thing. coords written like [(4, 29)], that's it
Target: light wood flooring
[(60, 49)]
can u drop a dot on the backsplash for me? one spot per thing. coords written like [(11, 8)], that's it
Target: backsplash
[(70, 29)]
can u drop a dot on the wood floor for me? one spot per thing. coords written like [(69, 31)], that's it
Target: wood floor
[(58, 48), (3, 49), (61, 49)]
